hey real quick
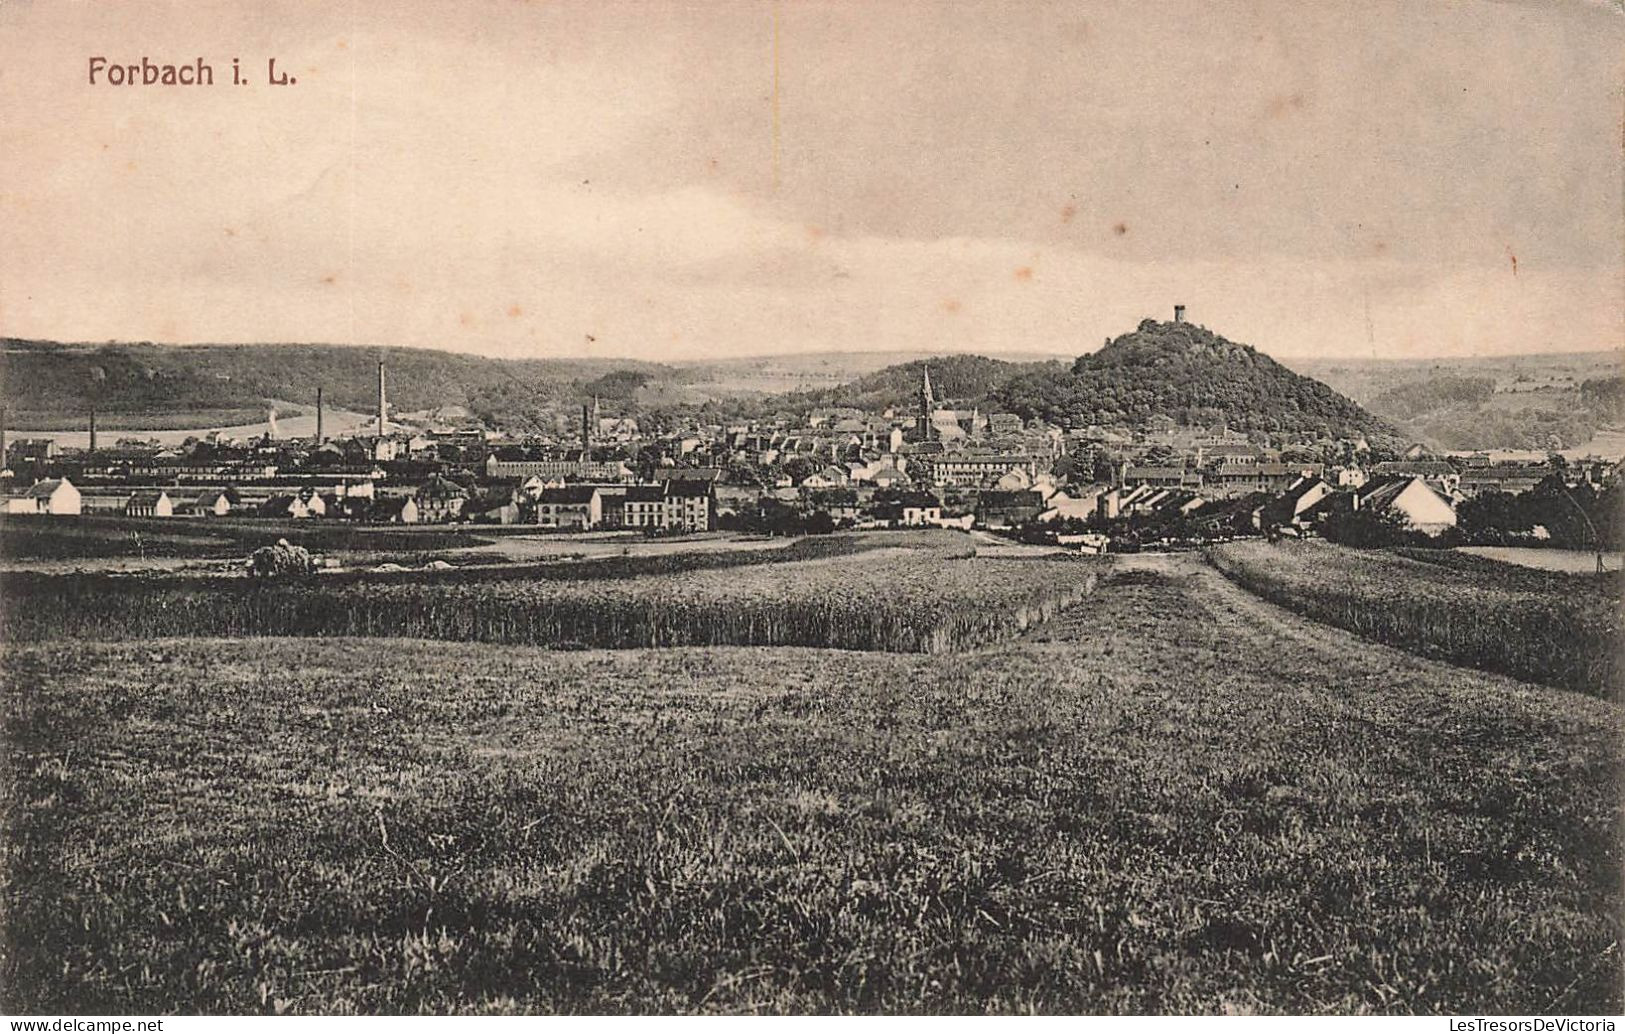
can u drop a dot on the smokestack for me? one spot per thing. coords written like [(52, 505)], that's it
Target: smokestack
[(318, 414), (3, 415), (92, 428), (586, 430), (1179, 314), (381, 413)]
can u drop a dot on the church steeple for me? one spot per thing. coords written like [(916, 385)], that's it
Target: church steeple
[(928, 402)]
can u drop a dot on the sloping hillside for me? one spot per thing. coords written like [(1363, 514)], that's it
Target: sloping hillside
[(1524, 402), (966, 379), (41, 381), (1188, 374)]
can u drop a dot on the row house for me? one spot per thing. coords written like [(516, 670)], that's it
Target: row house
[(1160, 476), (972, 469), (1236, 479), (1439, 475), (1513, 478), (520, 462)]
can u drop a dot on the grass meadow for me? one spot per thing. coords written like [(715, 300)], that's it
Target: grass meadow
[(95, 536), (922, 593), (1560, 629), (1171, 797)]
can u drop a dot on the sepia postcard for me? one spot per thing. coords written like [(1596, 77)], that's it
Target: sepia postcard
[(812, 507)]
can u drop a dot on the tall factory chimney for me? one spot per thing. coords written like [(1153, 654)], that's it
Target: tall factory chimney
[(318, 414), (92, 428), (382, 426), (586, 431), (3, 415)]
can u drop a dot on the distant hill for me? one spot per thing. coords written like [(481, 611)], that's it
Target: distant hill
[(1191, 375), (45, 381), (1522, 402), (967, 379)]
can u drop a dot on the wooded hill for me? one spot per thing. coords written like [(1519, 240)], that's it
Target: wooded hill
[(1190, 375)]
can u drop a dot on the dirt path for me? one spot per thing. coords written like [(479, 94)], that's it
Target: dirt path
[(1251, 622)]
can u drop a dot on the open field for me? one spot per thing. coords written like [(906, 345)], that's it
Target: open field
[(105, 542), (102, 536), (1173, 798), (1565, 561), (1560, 629), (903, 592)]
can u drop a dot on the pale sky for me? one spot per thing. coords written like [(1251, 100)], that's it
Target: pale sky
[(677, 181)]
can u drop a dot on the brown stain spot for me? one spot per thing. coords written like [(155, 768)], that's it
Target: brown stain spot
[(343, 45), (1513, 259), (104, 147), (1120, 229), (129, 166), (951, 306), (1024, 273), (1067, 212), (514, 311), (230, 232), (1283, 104), (815, 233), (331, 278), (465, 318)]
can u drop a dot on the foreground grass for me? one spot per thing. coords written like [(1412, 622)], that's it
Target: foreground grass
[(1560, 629), (1174, 798)]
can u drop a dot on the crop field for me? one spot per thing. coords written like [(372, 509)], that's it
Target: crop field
[(1563, 630), (1172, 798), (91, 536), (916, 594)]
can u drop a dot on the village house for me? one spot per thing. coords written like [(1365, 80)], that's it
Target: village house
[(840, 503), (401, 509), (1438, 474), (830, 477), (296, 506), (1228, 480), (1008, 509), (1161, 477), (920, 509), (690, 504), (1419, 505), (570, 508), (149, 504), (1512, 478), (440, 499), (1292, 506), (213, 503), (1079, 504), (57, 496), (636, 506), (501, 505)]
